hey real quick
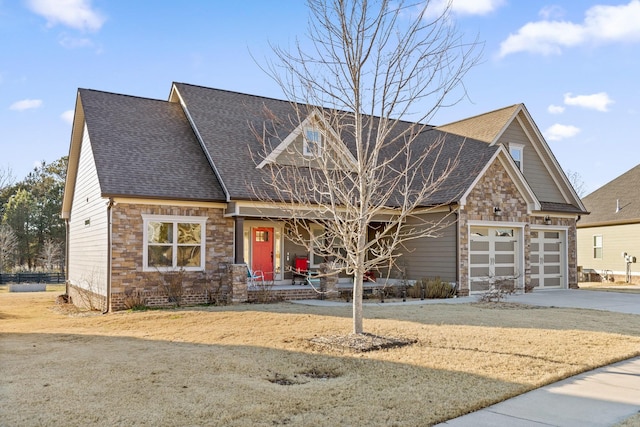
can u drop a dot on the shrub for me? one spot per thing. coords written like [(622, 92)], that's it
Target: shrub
[(501, 288), (134, 301), (434, 288)]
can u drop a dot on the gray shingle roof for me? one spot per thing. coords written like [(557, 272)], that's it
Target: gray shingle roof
[(224, 120), (146, 148), (622, 192), (560, 207)]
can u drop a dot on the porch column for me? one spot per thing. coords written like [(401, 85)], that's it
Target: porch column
[(239, 240)]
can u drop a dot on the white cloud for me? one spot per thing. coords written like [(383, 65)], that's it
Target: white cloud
[(76, 14), (26, 104), (549, 12), (464, 7), (555, 109), (558, 132), (598, 101), (602, 24), (475, 7), (67, 116), (74, 42)]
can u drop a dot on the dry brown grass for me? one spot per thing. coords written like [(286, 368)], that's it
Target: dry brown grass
[(255, 365)]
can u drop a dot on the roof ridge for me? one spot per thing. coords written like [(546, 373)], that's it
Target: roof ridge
[(105, 92), (233, 92)]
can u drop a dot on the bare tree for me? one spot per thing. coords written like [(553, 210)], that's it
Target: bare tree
[(8, 245), (369, 66), (6, 178), (51, 254), (578, 183)]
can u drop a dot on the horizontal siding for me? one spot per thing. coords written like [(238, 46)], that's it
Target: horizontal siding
[(534, 170), (88, 243), (616, 239), (432, 257)]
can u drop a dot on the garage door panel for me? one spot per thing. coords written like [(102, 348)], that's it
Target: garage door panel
[(480, 271), (547, 258), (479, 245), (552, 269), (553, 281), (504, 246), (479, 258), (480, 285), (505, 258), (504, 271), (552, 247), (493, 256), (552, 258)]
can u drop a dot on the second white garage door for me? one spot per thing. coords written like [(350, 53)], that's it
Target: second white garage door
[(548, 263)]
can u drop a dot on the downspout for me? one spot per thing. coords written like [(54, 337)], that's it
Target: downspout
[(457, 222), (110, 204), (66, 256)]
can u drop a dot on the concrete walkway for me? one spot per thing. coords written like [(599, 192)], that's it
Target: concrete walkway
[(602, 397)]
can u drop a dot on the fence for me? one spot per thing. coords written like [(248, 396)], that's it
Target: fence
[(32, 278)]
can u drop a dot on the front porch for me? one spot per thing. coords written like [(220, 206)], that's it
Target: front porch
[(283, 290)]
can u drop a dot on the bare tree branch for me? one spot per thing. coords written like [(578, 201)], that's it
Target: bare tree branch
[(368, 67)]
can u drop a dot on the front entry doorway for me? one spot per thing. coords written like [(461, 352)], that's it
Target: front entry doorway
[(262, 256)]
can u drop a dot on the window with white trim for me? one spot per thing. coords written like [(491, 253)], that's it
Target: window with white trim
[(517, 154), (312, 142), (597, 246), (173, 242)]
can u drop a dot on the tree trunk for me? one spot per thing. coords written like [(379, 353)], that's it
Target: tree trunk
[(357, 304)]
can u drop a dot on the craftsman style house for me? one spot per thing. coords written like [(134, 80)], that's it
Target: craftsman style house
[(609, 238), (157, 186)]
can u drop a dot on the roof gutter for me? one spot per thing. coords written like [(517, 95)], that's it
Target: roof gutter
[(201, 141)]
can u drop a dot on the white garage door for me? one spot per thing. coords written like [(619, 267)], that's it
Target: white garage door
[(493, 256), (547, 258)]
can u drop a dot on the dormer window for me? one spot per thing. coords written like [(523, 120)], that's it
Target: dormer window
[(516, 151), (312, 142)]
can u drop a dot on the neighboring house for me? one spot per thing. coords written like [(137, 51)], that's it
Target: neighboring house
[(159, 186), (609, 238)]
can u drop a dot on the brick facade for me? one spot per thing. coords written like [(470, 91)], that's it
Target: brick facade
[(127, 275)]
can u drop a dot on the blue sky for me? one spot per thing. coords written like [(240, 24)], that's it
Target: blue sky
[(574, 64)]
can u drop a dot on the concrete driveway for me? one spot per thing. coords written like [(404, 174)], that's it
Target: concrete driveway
[(581, 298)]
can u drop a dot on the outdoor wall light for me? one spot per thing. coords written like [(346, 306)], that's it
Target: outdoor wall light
[(547, 220), (497, 211)]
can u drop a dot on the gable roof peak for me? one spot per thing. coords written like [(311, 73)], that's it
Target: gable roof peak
[(486, 127)]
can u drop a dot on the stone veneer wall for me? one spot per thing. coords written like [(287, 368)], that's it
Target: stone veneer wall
[(128, 277), (496, 188)]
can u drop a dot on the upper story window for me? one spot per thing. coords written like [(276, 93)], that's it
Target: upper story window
[(597, 247), (173, 242), (517, 152), (312, 142)]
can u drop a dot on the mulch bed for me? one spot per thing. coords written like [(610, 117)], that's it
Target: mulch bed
[(360, 342)]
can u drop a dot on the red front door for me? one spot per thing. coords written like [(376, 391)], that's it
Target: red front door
[(262, 256)]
